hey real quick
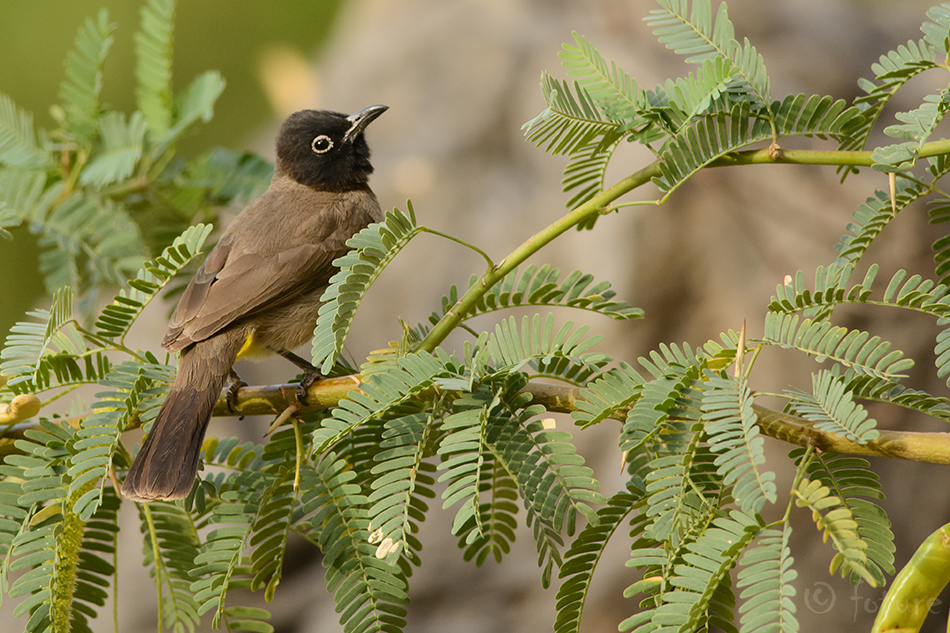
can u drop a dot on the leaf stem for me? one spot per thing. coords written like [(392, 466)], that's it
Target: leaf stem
[(157, 558), (298, 443), (107, 344), (452, 238), (799, 474)]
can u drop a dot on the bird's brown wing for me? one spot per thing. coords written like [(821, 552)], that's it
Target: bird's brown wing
[(280, 247), (244, 286), (195, 294)]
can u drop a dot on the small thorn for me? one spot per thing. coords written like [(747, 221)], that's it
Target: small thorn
[(740, 351), (286, 413)]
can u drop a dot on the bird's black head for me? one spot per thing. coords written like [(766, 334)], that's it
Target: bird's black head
[(326, 150)]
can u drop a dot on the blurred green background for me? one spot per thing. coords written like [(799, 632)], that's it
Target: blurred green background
[(239, 38)]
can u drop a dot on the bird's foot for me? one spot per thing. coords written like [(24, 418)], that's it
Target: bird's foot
[(310, 376), (232, 386)]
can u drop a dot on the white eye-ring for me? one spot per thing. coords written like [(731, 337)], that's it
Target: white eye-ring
[(322, 144)]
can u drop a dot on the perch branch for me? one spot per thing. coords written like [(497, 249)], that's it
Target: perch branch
[(272, 400)]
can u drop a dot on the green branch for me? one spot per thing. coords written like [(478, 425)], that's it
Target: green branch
[(601, 203), (775, 155), (533, 244)]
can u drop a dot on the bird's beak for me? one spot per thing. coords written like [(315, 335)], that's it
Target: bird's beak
[(359, 121)]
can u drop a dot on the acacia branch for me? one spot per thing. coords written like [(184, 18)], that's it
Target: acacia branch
[(933, 448)]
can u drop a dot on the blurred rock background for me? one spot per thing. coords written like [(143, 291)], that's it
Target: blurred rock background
[(460, 79)]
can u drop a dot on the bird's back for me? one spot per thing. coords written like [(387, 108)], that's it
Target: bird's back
[(279, 250)]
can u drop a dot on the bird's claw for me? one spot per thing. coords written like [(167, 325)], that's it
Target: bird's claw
[(232, 386), (310, 376)]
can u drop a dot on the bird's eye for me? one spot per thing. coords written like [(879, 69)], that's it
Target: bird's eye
[(322, 144)]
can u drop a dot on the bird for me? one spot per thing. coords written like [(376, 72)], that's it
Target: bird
[(258, 291)]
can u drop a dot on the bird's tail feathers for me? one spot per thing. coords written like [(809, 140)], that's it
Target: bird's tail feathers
[(166, 465)]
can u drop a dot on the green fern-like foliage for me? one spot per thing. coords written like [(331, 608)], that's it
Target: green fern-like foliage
[(272, 528), (607, 395), (18, 144), (832, 408), (880, 390), (688, 28), (122, 143), (892, 71), (403, 481), (854, 349), (464, 454), (495, 428), (117, 318), (623, 106), (709, 90), (716, 135), (858, 488), (48, 535), (369, 590), (549, 472), (98, 436), (586, 173), (571, 121), (698, 118), (682, 490), (81, 186), (916, 125), (153, 70), (47, 337), (909, 293), (663, 426), (220, 563), (731, 429), (170, 546), (836, 522), (698, 590), (79, 92), (765, 581), (674, 361), (940, 214), (537, 340), (97, 562), (585, 553), (543, 286), (829, 290), (573, 125), (485, 520), (101, 231), (649, 416), (490, 531), (380, 392), (372, 250), (65, 468), (71, 595), (871, 218), (55, 351)]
